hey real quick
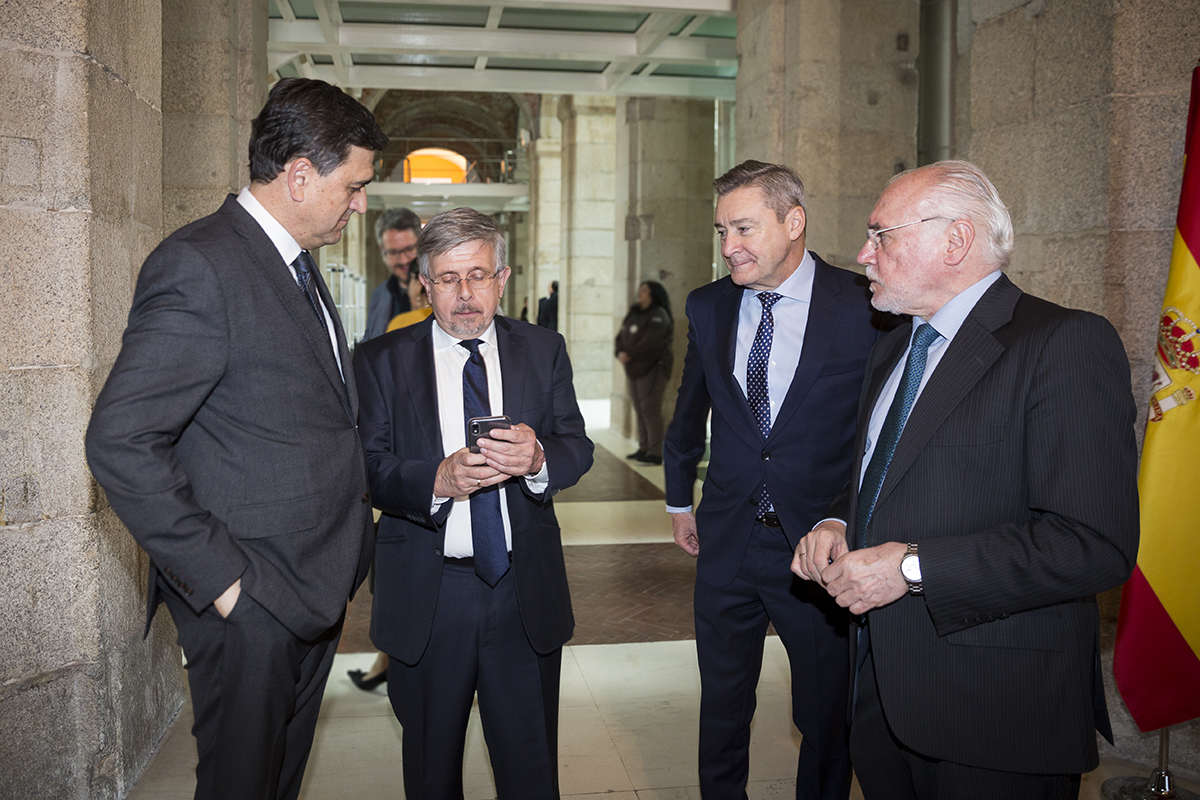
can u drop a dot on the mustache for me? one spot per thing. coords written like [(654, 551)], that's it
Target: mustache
[(467, 308)]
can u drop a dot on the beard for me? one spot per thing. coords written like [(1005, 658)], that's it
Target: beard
[(467, 329)]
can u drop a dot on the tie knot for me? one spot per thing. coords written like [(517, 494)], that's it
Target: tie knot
[(302, 264), (769, 299), (926, 335), (472, 345)]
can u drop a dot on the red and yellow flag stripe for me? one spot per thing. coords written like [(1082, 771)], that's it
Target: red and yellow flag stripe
[(1157, 660)]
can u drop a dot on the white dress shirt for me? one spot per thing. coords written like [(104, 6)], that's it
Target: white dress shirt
[(790, 314), (449, 359), (289, 249)]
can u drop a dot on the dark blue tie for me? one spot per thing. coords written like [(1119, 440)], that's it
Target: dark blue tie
[(487, 526), (305, 268), (893, 425), (757, 392)]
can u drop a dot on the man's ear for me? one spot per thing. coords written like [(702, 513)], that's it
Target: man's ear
[(300, 173), (796, 220), (959, 239)]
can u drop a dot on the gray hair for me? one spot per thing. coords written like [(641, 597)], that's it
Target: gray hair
[(458, 226), (960, 190), (396, 219), (782, 186)]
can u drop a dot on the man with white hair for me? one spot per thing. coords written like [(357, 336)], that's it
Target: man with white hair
[(994, 493)]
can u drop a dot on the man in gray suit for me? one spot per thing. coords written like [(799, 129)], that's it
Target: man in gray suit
[(994, 493), (225, 440)]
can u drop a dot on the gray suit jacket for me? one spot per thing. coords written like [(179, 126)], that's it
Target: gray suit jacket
[(1016, 475), (225, 436)]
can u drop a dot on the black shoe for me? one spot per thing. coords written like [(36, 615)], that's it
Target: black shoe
[(638, 456), (648, 458), (365, 683)]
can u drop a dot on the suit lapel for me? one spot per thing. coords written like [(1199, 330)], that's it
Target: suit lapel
[(968, 358), (349, 390), (514, 361), (726, 313), (412, 357), (268, 261), (824, 310)]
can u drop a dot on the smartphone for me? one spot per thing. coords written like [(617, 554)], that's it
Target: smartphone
[(480, 427)]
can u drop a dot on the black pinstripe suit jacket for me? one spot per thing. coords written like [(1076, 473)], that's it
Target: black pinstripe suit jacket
[(1016, 474)]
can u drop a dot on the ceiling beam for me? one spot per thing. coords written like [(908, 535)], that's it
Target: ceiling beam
[(724, 8), (309, 36), (536, 82)]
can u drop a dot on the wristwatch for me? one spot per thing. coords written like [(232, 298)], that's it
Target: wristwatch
[(910, 568)]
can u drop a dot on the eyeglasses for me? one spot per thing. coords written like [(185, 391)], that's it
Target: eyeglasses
[(476, 280), (873, 234), (411, 250)]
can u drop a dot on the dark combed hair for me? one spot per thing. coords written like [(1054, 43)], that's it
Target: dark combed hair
[(782, 187), (309, 119), (659, 296), (396, 219)]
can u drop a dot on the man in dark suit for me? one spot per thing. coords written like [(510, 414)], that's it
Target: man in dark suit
[(471, 589), (547, 315), (225, 440), (994, 494), (776, 351)]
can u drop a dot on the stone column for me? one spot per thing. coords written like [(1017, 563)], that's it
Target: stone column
[(83, 699), (664, 194), (214, 75), (586, 287), (828, 88), (545, 204)]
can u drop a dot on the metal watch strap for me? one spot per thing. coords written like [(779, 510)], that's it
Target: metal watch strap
[(914, 587)]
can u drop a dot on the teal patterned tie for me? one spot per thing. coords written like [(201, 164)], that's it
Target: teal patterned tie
[(893, 426)]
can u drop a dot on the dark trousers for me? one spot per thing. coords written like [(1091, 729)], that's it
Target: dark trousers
[(646, 395), (887, 770), (256, 691), (731, 625), (478, 645)]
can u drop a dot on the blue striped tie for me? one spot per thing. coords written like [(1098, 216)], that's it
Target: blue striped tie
[(487, 526)]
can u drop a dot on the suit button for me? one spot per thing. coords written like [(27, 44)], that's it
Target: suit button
[(437, 552), (365, 497), (766, 456), (188, 591)]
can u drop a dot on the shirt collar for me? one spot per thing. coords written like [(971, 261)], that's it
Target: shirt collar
[(950, 317), (444, 341), (798, 285), (289, 249)]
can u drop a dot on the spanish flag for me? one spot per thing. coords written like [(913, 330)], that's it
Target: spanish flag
[(1157, 659)]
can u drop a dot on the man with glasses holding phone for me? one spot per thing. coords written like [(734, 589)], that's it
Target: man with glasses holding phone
[(396, 232), (465, 534), (994, 493)]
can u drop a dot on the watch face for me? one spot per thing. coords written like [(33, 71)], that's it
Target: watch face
[(910, 568)]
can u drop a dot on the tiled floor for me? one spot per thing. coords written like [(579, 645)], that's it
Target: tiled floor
[(628, 710)]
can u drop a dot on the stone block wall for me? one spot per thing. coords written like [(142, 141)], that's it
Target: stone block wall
[(83, 699), (1076, 110), (586, 284), (828, 88)]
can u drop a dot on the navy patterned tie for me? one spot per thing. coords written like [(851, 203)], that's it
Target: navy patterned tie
[(757, 392), (893, 426), (305, 268), (487, 526)]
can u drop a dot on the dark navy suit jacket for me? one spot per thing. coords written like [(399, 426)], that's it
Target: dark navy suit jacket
[(401, 434), (805, 461)]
